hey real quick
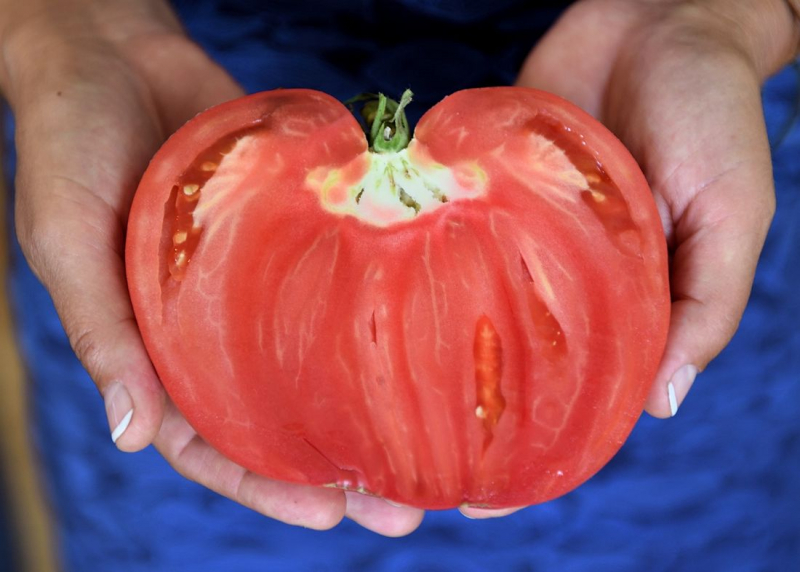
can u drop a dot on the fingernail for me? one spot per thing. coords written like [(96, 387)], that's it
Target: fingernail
[(679, 386), (673, 401), (119, 409)]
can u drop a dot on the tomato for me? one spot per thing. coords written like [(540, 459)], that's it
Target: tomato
[(474, 318)]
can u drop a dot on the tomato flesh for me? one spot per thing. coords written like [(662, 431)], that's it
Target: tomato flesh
[(476, 319)]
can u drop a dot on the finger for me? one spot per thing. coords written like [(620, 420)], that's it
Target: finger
[(484, 513), (312, 507), (378, 515), (702, 142), (720, 225), (86, 280), (712, 275)]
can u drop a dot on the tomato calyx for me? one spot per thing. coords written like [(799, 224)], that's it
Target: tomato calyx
[(386, 124), (397, 180)]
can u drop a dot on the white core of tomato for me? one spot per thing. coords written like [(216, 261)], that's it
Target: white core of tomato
[(395, 187)]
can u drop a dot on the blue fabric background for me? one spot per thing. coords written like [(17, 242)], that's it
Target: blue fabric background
[(714, 489)]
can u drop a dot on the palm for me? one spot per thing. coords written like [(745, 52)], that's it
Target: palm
[(689, 111)]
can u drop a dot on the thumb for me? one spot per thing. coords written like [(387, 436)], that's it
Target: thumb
[(84, 273), (82, 141), (74, 179), (720, 237), (720, 201)]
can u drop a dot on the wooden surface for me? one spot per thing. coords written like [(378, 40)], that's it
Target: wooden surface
[(30, 516)]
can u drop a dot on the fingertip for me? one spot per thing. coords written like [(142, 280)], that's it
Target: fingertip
[(330, 517), (666, 397), (658, 400), (335, 509), (381, 516), (656, 409), (478, 513), (316, 508), (134, 413)]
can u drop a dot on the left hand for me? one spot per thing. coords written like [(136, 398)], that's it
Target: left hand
[(95, 87)]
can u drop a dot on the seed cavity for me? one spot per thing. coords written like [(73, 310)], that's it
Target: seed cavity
[(180, 258), (598, 196), (603, 197), (180, 233), (547, 326), (488, 355)]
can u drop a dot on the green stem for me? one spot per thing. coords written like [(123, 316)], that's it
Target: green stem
[(387, 125)]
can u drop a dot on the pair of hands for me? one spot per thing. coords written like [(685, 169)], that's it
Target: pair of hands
[(97, 85)]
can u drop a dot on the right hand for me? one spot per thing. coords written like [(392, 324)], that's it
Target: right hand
[(95, 87), (679, 82)]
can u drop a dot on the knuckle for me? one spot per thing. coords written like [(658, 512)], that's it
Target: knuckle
[(768, 206), (23, 225), (38, 237), (721, 323), (88, 347), (726, 327), (756, 217)]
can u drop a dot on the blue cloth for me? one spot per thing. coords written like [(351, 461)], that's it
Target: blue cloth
[(714, 489)]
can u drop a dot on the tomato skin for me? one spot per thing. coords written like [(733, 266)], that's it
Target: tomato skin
[(494, 350)]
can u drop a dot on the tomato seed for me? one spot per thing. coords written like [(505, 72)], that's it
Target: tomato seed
[(190, 190)]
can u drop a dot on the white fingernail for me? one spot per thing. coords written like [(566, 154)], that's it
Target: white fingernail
[(123, 425), (119, 408), (673, 401), (679, 386)]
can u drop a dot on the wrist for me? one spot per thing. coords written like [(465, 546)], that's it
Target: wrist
[(767, 32), (772, 32)]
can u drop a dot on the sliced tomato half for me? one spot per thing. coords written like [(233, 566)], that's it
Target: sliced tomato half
[(474, 318)]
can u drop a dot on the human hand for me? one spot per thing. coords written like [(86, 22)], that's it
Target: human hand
[(96, 86), (679, 83)]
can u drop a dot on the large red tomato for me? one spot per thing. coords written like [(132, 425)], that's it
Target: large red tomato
[(476, 318)]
